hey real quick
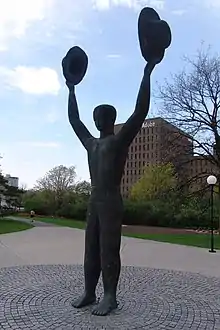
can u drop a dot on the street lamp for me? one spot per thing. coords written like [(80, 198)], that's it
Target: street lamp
[(212, 180)]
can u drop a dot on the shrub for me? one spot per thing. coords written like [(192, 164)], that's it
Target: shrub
[(40, 206), (172, 211), (74, 210), (164, 214)]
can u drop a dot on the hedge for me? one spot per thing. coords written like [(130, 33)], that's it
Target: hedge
[(189, 214)]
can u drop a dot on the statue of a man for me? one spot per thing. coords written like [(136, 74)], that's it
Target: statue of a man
[(106, 157)]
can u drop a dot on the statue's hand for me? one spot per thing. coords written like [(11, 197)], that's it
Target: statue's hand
[(74, 65)]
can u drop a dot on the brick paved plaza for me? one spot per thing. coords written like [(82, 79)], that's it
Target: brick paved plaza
[(39, 297), (39, 277)]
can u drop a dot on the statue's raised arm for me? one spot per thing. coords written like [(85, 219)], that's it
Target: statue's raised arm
[(154, 38), (132, 126), (74, 68)]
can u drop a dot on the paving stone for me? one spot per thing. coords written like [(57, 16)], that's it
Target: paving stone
[(39, 298)]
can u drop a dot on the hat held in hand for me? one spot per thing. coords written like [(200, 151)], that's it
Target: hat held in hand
[(154, 35), (74, 65)]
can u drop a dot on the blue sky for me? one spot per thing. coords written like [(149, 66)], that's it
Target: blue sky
[(35, 35)]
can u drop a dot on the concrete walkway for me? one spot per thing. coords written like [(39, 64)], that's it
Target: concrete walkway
[(35, 223), (62, 245)]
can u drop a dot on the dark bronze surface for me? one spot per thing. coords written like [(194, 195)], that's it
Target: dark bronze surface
[(106, 157)]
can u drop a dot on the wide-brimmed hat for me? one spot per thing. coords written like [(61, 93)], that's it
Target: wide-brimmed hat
[(154, 35), (74, 65)]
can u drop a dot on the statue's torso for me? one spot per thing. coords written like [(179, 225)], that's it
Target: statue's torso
[(106, 162)]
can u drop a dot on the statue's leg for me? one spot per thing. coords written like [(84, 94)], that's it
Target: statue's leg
[(92, 263), (110, 242)]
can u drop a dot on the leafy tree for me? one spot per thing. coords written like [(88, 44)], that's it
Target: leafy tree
[(58, 181), (13, 196), (83, 188), (42, 202), (3, 187), (156, 182)]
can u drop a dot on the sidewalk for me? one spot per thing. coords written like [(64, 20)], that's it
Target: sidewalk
[(62, 245)]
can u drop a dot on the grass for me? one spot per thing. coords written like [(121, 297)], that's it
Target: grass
[(64, 222), (197, 240), (10, 226)]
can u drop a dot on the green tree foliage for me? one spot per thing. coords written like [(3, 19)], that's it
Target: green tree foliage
[(158, 181), (83, 188), (58, 181), (13, 196), (57, 193)]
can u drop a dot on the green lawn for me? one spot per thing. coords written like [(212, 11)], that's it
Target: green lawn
[(199, 240), (9, 226), (64, 222)]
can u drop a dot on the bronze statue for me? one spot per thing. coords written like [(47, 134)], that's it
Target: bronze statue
[(106, 158)]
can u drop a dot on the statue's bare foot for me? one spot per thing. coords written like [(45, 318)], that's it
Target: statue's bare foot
[(106, 305), (85, 300)]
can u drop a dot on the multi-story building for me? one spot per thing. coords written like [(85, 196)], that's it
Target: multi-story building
[(198, 169), (157, 142)]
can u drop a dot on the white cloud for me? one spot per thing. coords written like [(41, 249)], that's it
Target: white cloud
[(42, 144), (52, 117), (17, 15), (31, 80), (113, 56), (178, 12), (133, 4), (212, 3)]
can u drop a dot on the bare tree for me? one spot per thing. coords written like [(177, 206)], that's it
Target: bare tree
[(23, 187), (191, 101), (58, 180)]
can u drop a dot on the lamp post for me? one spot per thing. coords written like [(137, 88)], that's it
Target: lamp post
[(212, 180)]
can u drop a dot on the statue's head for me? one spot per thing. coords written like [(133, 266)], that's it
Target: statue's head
[(104, 117)]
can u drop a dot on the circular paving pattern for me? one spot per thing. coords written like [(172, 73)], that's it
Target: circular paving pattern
[(39, 298)]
